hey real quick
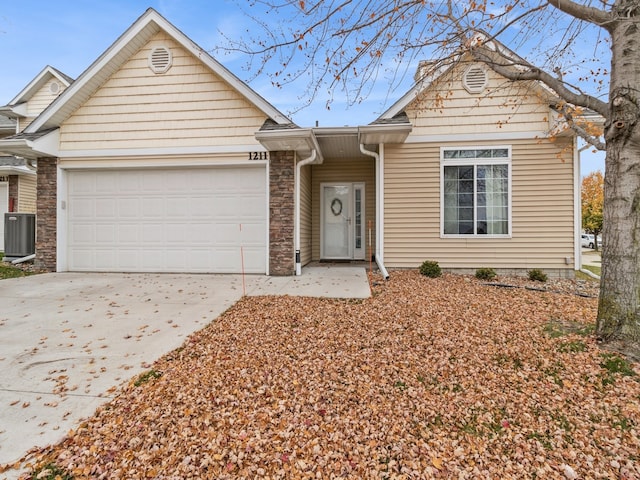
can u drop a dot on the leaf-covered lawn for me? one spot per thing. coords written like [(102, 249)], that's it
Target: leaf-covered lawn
[(430, 378)]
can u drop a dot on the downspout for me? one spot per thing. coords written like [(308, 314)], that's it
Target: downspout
[(379, 207), (577, 209), (299, 165)]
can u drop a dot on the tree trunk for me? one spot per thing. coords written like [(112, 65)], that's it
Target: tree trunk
[(619, 303)]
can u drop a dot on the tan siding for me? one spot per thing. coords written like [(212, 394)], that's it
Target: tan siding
[(305, 215), (447, 108), (27, 194), (335, 171), (542, 210), (24, 123), (187, 106), (42, 98)]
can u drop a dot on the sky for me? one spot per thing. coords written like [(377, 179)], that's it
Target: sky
[(71, 34)]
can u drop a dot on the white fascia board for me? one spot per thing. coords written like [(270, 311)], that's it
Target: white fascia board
[(154, 163), (16, 170), (164, 151)]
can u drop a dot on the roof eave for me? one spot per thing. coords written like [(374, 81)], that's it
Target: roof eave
[(16, 170), (301, 140), (32, 149), (390, 133), (14, 111)]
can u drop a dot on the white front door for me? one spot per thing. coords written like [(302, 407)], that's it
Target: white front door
[(342, 228), (4, 208)]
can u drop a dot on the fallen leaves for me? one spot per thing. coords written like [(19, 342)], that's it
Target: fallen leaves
[(429, 378)]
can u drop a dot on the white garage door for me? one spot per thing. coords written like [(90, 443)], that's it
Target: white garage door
[(197, 220)]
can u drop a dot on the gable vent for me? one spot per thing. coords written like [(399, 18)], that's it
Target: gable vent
[(160, 59), (54, 88), (475, 79)]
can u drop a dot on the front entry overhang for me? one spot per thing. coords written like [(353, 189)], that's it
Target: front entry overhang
[(313, 145)]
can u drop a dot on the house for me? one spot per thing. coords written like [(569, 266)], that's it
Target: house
[(159, 159), (17, 181), (18, 175)]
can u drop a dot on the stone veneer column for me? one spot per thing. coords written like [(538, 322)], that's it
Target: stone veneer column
[(46, 214), (281, 213)]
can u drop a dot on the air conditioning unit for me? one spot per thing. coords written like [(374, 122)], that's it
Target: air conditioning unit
[(19, 234)]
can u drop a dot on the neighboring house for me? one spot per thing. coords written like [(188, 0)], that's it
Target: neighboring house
[(158, 159), (18, 175), (17, 181)]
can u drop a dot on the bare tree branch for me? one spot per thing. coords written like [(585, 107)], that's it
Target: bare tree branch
[(589, 14), (523, 70)]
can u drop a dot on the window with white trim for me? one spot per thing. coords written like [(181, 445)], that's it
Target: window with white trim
[(476, 191)]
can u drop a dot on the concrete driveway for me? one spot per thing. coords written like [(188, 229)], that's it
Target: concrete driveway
[(68, 340)]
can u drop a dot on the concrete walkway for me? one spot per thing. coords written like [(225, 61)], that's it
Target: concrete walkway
[(68, 340), (591, 257)]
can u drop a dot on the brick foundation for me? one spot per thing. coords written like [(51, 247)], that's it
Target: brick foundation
[(46, 215), (281, 213)]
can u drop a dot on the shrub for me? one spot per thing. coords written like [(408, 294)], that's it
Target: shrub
[(485, 273), (430, 268), (51, 471), (147, 376), (537, 275)]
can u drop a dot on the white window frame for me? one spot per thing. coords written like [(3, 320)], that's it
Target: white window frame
[(475, 162)]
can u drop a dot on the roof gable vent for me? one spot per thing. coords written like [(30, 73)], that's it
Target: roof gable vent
[(160, 59), (475, 79), (54, 88)]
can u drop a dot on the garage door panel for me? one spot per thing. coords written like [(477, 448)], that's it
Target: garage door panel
[(177, 207), (104, 208), (102, 258), (128, 208), (251, 233), (152, 234), (252, 255), (129, 183), (108, 182), (168, 220), (152, 206), (83, 208), (127, 234), (83, 233)]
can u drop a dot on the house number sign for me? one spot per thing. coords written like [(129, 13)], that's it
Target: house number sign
[(4, 178), (258, 155)]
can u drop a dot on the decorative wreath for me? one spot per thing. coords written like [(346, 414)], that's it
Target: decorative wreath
[(336, 206)]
